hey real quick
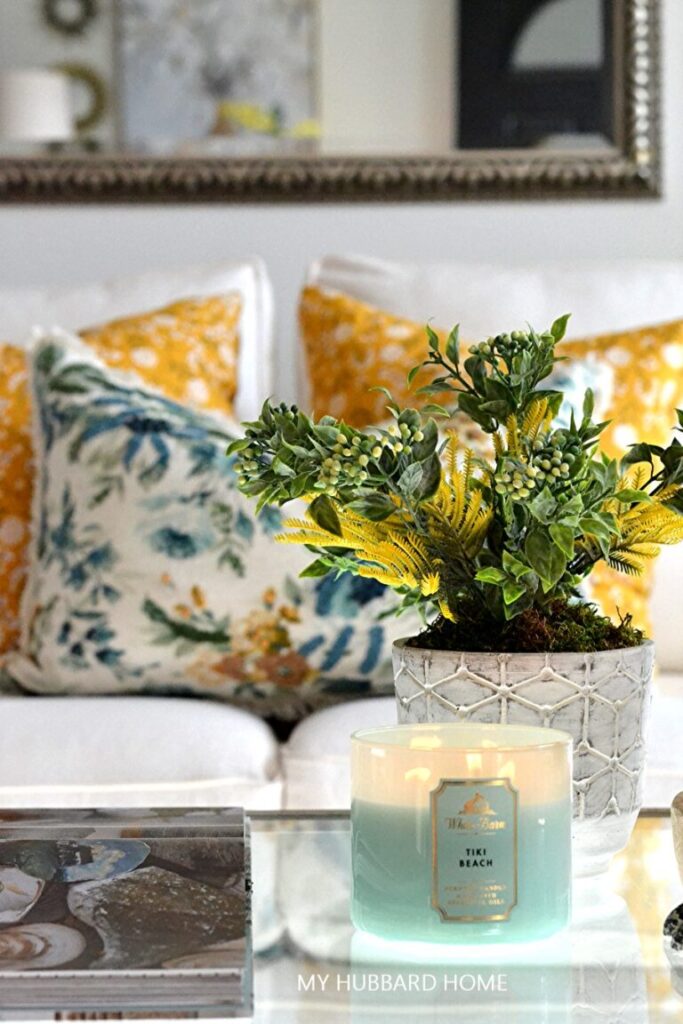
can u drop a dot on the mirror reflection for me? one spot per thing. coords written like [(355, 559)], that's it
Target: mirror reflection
[(222, 78)]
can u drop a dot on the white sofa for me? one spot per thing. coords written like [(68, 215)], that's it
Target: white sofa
[(170, 751)]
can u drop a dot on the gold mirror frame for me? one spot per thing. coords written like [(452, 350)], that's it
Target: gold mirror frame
[(632, 170)]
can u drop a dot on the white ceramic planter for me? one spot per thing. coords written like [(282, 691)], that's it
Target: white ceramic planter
[(601, 699)]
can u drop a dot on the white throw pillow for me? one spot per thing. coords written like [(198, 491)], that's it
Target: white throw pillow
[(485, 298), (76, 308)]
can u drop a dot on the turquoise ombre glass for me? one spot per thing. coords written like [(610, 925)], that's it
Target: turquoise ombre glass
[(461, 833)]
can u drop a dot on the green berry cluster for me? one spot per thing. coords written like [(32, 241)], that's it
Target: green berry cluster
[(517, 479), (348, 461), (352, 456), (556, 457), (508, 345)]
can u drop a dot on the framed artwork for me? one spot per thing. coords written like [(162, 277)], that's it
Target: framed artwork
[(217, 76)]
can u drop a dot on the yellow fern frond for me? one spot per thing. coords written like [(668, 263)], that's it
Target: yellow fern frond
[(666, 494), (626, 563), (429, 585), (317, 538), (535, 418), (451, 454), (512, 429), (375, 572), (498, 444)]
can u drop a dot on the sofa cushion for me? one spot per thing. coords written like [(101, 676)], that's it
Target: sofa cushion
[(150, 572), (134, 751), (316, 760)]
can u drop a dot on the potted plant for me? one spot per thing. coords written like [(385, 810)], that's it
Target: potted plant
[(493, 552)]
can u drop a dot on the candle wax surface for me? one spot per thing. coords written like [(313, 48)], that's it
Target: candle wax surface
[(392, 876)]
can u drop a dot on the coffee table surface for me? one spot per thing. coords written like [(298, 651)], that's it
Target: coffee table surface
[(311, 966)]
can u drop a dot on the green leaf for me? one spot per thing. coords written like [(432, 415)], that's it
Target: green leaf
[(543, 506), (391, 404), (421, 479), (279, 465), (564, 538), (453, 345), (571, 510), (315, 570), (238, 446), (374, 507), (433, 338), (409, 479), (524, 601), (323, 513), (512, 591), (559, 328), (637, 453), (413, 373), (431, 409), (545, 557), (629, 496), (425, 448), (514, 566), (437, 387), (595, 526), (470, 405), (588, 405), (491, 575)]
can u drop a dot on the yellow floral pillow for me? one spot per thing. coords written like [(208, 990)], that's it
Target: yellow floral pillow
[(16, 487), (646, 389), (187, 350), (351, 346)]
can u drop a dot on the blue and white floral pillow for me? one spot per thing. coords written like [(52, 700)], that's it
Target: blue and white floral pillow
[(150, 572), (573, 378)]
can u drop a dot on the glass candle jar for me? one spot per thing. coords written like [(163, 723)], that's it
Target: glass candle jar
[(461, 833)]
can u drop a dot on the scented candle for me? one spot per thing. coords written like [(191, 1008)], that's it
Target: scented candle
[(461, 833)]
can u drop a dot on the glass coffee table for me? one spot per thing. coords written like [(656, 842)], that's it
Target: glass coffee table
[(310, 966)]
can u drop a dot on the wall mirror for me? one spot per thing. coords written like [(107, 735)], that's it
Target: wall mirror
[(277, 100)]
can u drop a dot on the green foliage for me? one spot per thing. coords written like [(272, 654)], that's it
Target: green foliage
[(285, 455), (513, 536)]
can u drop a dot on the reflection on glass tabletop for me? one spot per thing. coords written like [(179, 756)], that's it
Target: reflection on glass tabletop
[(311, 966)]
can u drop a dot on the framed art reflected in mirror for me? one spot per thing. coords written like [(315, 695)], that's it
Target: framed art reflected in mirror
[(314, 100)]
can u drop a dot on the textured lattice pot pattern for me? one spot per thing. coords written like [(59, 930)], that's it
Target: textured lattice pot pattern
[(601, 699)]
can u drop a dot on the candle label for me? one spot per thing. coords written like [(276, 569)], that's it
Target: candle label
[(474, 849)]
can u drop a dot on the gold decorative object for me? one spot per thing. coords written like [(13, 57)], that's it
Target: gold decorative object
[(96, 88)]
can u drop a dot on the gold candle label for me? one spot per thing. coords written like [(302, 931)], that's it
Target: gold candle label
[(474, 849)]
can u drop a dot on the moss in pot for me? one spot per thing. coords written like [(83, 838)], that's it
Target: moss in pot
[(493, 552)]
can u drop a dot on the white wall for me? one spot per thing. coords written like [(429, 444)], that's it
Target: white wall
[(74, 244)]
